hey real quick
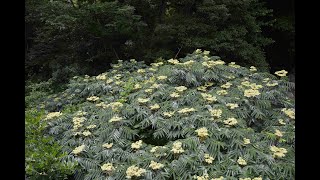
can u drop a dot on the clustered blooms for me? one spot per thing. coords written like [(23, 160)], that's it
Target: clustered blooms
[(115, 118), (107, 167), (154, 107), (202, 88), (177, 147), (154, 150), (216, 113), (173, 61), (256, 178), (102, 104), (154, 165), (203, 177), (91, 126), (208, 159), (141, 71), (219, 178), (278, 133), (253, 69), (137, 86), (222, 92), (281, 73), (226, 85), (93, 98), (162, 77), (180, 88), (107, 145), (241, 161), (134, 171), (148, 90), (246, 141), (281, 122), (143, 100), (208, 97), (86, 133), (101, 77), (168, 114), (211, 64), (115, 105), (53, 115), (289, 112), (186, 110), (271, 84), (232, 105), (77, 122), (136, 145), (202, 132), (251, 92), (278, 152), (109, 81), (233, 64), (230, 121), (188, 62), (78, 149)]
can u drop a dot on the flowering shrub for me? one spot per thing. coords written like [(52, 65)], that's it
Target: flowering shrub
[(192, 118)]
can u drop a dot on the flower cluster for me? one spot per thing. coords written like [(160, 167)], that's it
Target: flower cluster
[(86, 133), (53, 115), (136, 145), (143, 100), (246, 141), (232, 105), (107, 167), (173, 61), (226, 85), (93, 98), (208, 97), (77, 122), (154, 107), (78, 149), (208, 159), (177, 147), (168, 114), (186, 110), (230, 121), (256, 178), (253, 69), (241, 161), (278, 133), (278, 152), (202, 132), (216, 113), (211, 64), (222, 92), (281, 73), (233, 64), (180, 88), (92, 126), (107, 145), (134, 171), (289, 112), (251, 92), (154, 165)]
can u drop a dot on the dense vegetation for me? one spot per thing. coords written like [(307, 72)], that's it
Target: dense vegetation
[(193, 117)]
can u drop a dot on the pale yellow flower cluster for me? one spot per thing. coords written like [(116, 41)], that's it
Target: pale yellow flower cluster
[(202, 88), (141, 71), (246, 141), (230, 121), (86, 133), (155, 85), (271, 84), (251, 92), (148, 90), (202, 132), (156, 64), (233, 64), (133, 60), (198, 51), (101, 77), (174, 95), (219, 178), (281, 73), (119, 82), (154, 150), (241, 161), (78, 149), (281, 122), (152, 69), (289, 112), (53, 115), (206, 52), (109, 81), (162, 77), (208, 84), (208, 97), (93, 98), (136, 145), (107, 167), (134, 171), (102, 105), (168, 114), (117, 76), (154, 165), (177, 147), (278, 133), (186, 110), (81, 113), (173, 61), (278, 152), (222, 92), (208, 159), (216, 113), (180, 88), (115, 105), (210, 64), (107, 145), (154, 107), (203, 177), (77, 122), (253, 69), (265, 80), (187, 63), (137, 86), (115, 118), (232, 105), (143, 100), (226, 86), (231, 77), (256, 178)]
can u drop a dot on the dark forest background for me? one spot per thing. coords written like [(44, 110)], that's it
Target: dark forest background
[(64, 38)]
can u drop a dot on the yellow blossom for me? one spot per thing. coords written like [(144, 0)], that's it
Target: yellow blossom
[(93, 98), (208, 84), (186, 110), (137, 86), (142, 100), (107, 145), (271, 84), (141, 71), (177, 147), (226, 86), (181, 88), (86, 133), (91, 126), (208, 97), (202, 88), (162, 77), (253, 69), (154, 165), (204, 177), (148, 90), (174, 95), (251, 92), (208, 159), (152, 69), (265, 80), (222, 92), (136, 145), (107, 167), (289, 112), (246, 141), (216, 113), (219, 178), (278, 152), (281, 122), (134, 171), (278, 133), (168, 114), (155, 85), (281, 73), (198, 51), (117, 77), (233, 64), (101, 77), (257, 178), (230, 121), (115, 119), (232, 105), (202, 132), (102, 104), (53, 115), (241, 161), (206, 52), (188, 62), (78, 149), (109, 81), (173, 61), (154, 107)]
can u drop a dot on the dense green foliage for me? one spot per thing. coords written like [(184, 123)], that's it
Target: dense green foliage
[(66, 38), (197, 116), (44, 158)]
